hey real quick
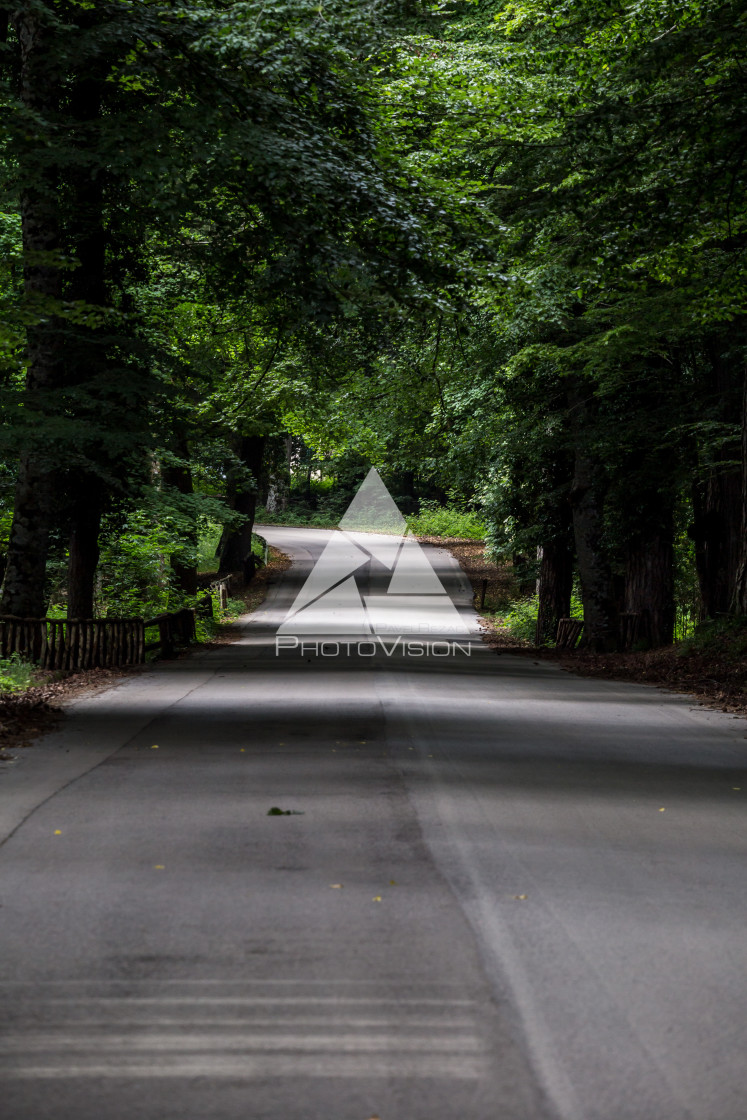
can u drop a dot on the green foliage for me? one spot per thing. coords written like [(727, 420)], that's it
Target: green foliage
[(721, 637), (15, 673), (520, 619), (467, 244), (297, 516), (207, 543), (437, 521), (134, 576)]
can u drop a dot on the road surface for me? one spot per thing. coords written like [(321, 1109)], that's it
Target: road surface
[(503, 892)]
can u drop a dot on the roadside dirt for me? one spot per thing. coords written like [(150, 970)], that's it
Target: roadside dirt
[(713, 681)]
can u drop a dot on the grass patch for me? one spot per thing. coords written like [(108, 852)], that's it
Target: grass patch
[(519, 618), (16, 674), (297, 518), (446, 521)]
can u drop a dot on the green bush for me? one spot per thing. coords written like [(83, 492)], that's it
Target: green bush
[(520, 619), (720, 637), (446, 521), (15, 673), (302, 518), (207, 543)]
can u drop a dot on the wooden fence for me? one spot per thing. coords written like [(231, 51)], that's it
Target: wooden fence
[(94, 643), (176, 628), (225, 586), (78, 643)]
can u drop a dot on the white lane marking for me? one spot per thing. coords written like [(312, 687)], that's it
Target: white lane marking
[(366, 1066), (274, 1001), (341, 1043), (337, 1021)]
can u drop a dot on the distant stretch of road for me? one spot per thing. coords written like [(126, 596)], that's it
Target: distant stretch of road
[(495, 891)]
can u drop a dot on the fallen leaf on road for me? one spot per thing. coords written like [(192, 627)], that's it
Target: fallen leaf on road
[(58, 832), (392, 883), (154, 747), (662, 810), (336, 886), (377, 899), (159, 867), (520, 897)]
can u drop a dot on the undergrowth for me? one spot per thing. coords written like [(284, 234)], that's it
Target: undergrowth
[(446, 521), (15, 673)]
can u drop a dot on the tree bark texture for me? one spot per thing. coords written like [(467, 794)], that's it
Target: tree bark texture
[(86, 353), (180, 477), (649, 585), (739, 601), (23, 588), (554, 587), (555, 555), (84, 548), (236, 548), (718, 500), (587, 503)]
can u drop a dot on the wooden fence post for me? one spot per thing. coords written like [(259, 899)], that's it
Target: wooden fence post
[(165, 635)]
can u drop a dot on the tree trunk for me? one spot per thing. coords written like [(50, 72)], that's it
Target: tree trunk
[(236, 547), (718, 539), (180, 477), (84, 549), (739, 602), (554, 587), (649, 586), (587, 503), (23, 589), (717, 501), (87, 349)]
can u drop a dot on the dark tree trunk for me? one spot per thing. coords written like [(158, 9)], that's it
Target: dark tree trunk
[(718, 539), (717, 501), (587, 503), (23, 589), (554, 587), (87, 351), (180, 477), (84, 548), (739, 603), (236, 547), (649, 585), (555, 555), (24, 593)]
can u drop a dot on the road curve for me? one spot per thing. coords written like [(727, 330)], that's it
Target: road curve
[(504, 892)]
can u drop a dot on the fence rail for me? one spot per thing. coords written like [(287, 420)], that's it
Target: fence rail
[(93, 643), (76, 643), (176, 628)]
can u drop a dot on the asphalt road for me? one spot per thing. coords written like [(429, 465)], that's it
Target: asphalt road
[(504, 892)]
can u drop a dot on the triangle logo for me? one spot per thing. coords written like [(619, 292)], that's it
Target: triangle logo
[(337, 599)]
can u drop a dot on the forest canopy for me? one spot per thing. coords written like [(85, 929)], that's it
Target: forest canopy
[(496, 250)]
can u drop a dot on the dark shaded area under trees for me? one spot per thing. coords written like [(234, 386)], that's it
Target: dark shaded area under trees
[(497, 250)]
